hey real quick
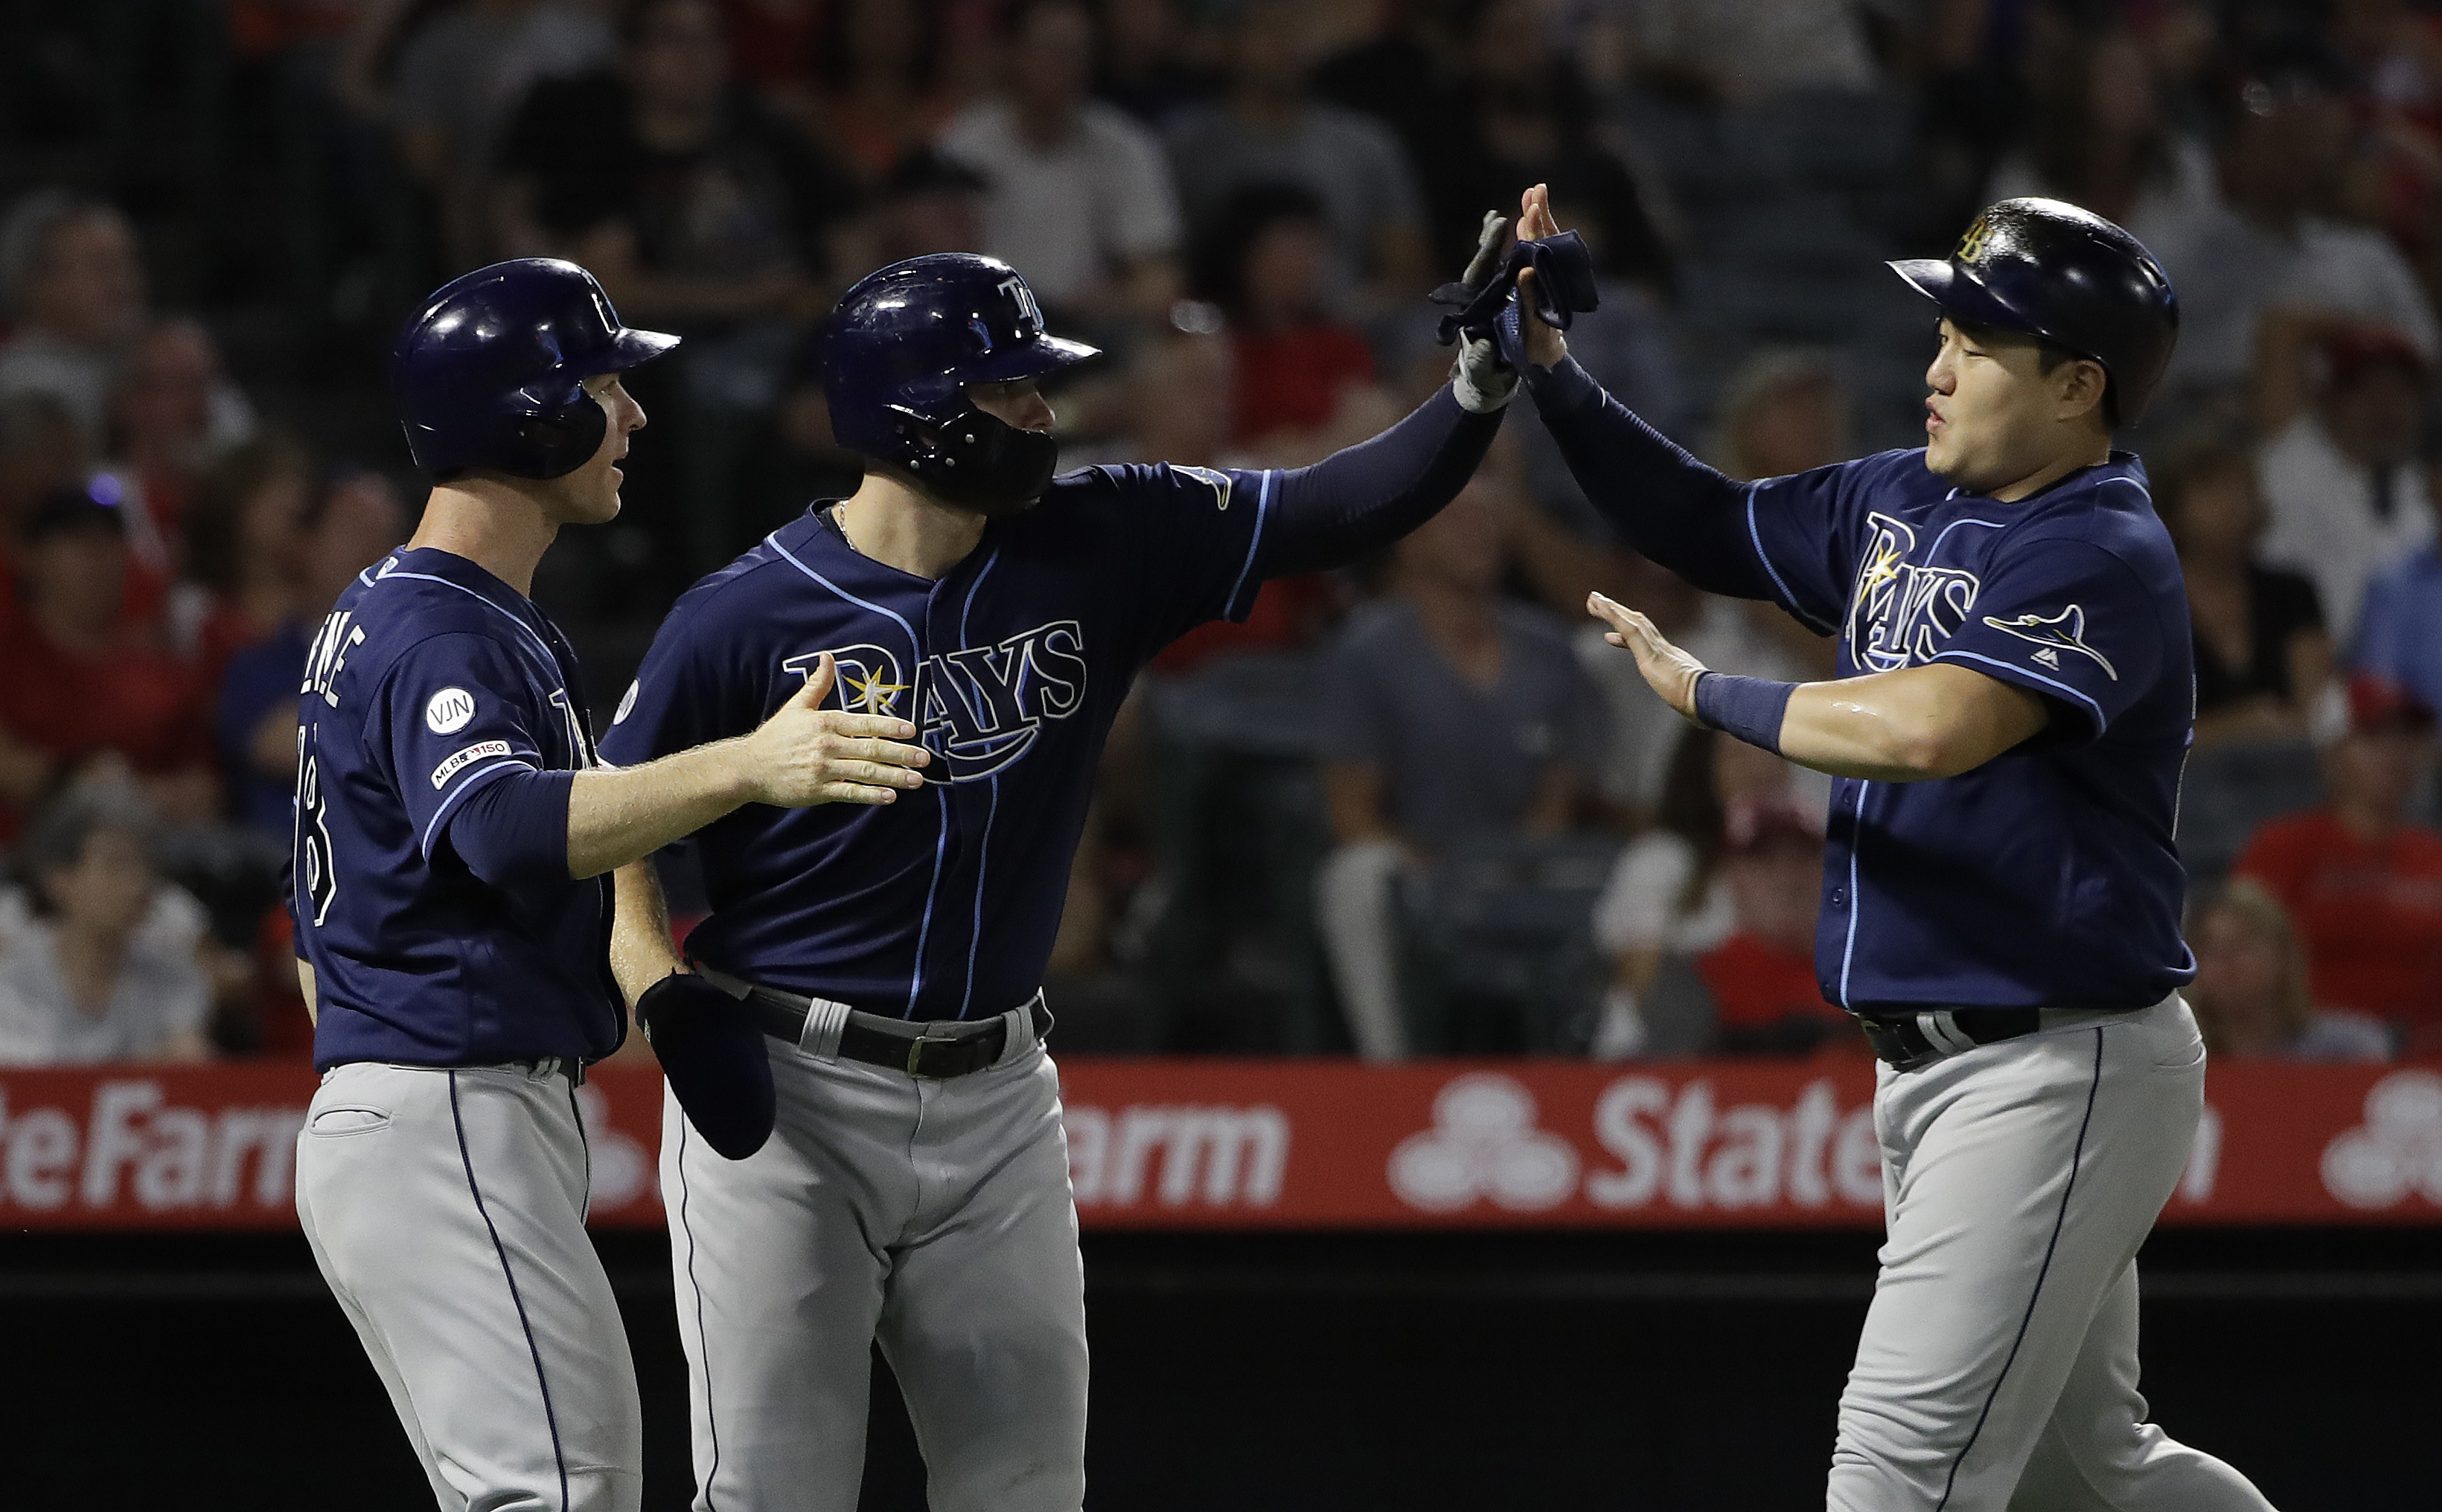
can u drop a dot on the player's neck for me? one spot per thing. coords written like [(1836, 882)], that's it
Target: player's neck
[(899, 526), (2071, 458), (491, 524)]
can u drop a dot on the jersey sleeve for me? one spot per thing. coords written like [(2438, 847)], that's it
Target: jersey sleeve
[(1796, 526), (453, 714), (1195, 532), (2070, 620), (688, 691)]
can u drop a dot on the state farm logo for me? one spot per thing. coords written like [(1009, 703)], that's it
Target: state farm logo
[(1179, 1157), (1484, 1143), (1659, 1141), (132, 1147), (2398, 1151)]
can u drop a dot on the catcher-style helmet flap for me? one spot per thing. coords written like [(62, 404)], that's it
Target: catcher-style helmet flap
[(491, 371), (2052, 270), (902, 350)]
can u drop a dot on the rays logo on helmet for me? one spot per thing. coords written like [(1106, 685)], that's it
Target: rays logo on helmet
[(1024, 298), (1971, 247), (978, 708)]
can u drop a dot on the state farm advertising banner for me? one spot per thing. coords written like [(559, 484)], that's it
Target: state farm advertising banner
[(1301, 1144)]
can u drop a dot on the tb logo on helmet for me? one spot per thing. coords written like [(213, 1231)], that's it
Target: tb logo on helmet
[(978, 708), (1971, 247)]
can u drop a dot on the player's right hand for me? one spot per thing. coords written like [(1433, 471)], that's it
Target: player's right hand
[(1546, 346), (805, 753)]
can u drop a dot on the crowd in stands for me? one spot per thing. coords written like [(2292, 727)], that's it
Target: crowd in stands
[(1417, 808)]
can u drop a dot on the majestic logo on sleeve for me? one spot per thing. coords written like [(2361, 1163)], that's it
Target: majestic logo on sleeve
[(2063, 631), (1901, 612), (978, 708)]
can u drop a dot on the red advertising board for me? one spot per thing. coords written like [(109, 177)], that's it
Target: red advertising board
[(1302, 1144)]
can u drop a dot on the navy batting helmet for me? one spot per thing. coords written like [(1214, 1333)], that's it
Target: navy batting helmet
[(2052, 270), (900, 350), (491, 371)]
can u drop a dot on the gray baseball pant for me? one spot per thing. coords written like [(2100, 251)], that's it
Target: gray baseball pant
[(1997, 1368), (447, 1210), (933, 1216)]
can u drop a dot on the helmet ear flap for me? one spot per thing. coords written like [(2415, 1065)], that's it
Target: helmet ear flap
[(564, 438)]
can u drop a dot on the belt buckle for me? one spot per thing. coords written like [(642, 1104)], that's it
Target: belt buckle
[(916, 1046)]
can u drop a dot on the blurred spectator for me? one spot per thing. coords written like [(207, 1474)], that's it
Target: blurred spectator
[(1268, 128), (2262, 244), (1735, 51), (2399, 628), (42, 450), (161, 435), (881, 97), (99, 959), (1785, 410), (692, 206), (2262, 652), (1145, 68), (85, 692), (1298, 368), (1080, 200), (774, 49), (2341, 477), (72, 282), (2363, 883), (1755, 993), (1524, 119), (2250, 996), (1449, 712), (241, 552), (1666, 895), (2097, 138), (356, 520), (930, 204), (462, 67)]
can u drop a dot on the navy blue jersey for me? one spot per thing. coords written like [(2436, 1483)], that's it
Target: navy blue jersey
[(2047, 876), (943, 905), (430, 680)]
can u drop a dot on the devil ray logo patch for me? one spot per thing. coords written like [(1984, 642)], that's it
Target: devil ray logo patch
[(2063, 631)]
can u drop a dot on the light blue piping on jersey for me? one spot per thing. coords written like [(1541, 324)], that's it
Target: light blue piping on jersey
[(1856, 902), (2101, 719), (1755, 534), (991, 810), (1263, 516), (466, 785), (1964, 520), (553, 661), (942, 842)]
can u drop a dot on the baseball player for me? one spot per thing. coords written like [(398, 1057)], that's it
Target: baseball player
[(916, 1188), (2002, 894), (454, 910)]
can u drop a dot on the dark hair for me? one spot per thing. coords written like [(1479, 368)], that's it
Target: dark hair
[(2208, 450), (71, 510), (1230, 233), (56, 837), (216, 520), (923, 60)]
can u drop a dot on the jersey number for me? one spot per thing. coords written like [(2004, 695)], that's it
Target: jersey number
[(316, 880)]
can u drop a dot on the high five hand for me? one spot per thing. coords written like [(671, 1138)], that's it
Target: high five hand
[(1669, 670), (1546, 346)]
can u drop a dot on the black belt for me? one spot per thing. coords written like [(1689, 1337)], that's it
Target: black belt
[(935, 1049), (1907, 1040)]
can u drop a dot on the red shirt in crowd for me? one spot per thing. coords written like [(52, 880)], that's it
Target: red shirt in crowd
[(2370, 914), (139, 701), (1758, 987), (1292, 380)]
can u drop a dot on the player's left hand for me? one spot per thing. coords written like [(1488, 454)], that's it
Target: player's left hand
[(1669, 670)]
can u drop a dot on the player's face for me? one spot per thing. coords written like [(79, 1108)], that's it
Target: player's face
[(590, 495), (1995, 417), (1019, 405)]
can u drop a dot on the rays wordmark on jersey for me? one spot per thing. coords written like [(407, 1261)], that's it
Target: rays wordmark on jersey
[(1901, 612), (978, 708)]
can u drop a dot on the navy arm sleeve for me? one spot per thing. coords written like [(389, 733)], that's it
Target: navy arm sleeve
[(1359, 500), (513, 833), (1669, 506)]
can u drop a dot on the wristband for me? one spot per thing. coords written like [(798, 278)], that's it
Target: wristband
[(1750, 708)]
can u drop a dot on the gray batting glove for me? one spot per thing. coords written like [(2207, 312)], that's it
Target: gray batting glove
[(1483, 383)]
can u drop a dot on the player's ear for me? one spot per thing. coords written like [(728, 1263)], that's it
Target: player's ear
[(2079, 384)]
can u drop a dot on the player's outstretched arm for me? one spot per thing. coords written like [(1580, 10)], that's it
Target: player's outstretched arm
[(802, 755), (1363, 498), (1917, 723), (1672, 507)]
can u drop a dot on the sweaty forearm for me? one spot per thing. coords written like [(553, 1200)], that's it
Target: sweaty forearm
[(1669, 506), (1359, 500), (641, 952), (1908, 725), (618, 816)]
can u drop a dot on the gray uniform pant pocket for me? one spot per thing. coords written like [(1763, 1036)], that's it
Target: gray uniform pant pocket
[(447, 1210)]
